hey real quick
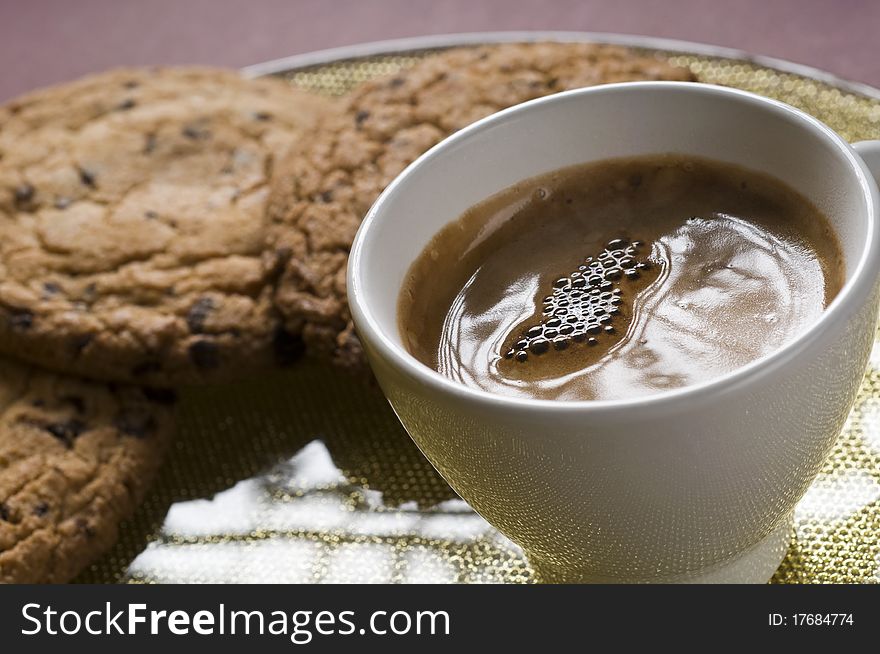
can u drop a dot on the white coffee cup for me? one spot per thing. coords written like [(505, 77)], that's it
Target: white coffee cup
[(692, 484)]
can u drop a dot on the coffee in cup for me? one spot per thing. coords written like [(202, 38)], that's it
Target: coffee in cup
[(620, 278)]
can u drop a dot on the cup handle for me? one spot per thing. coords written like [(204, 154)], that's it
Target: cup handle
[(869, 151)]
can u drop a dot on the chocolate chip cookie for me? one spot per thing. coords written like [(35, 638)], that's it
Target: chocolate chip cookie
[(76, 458), (323, 188), (132, 224)]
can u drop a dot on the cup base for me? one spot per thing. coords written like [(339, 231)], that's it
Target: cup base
[(756, 565)]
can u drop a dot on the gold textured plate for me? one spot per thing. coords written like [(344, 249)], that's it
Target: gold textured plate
[(306, 476)]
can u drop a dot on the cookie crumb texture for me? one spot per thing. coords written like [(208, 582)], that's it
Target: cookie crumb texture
[(133, 223), (75, 460), (325, 186)]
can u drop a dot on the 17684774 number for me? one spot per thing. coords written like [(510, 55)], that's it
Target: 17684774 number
[(810, 620)]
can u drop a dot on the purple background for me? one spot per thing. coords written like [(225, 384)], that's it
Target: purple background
[(48, 41)]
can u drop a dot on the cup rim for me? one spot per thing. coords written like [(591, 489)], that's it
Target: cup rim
[(859, 284)]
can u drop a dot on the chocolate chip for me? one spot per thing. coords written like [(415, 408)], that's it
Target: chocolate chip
[(66, 431), (136, 422), (150, 214), (51, 288), (327, 196), (395, 82), (195, 133), (87, 177), (80, 343), (150, 143), (21, 320), (288, 347), (204, 354), (164, 396), (41, 509), (5, 513), (83, 525), (131, 84), (361, 116), (262, 116), (282, 255), (198, 313), (24, 194), (126, 104)]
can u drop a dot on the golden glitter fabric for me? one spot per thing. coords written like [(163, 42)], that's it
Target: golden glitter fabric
[(308, 477)]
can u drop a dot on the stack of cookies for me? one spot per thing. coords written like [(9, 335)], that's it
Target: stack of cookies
[(168, 227)]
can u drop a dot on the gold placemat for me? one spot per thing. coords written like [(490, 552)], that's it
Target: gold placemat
[(308, 477)]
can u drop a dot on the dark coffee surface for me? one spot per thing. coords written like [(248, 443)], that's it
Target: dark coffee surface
[(619, 279)]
